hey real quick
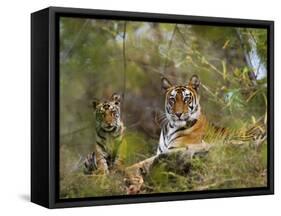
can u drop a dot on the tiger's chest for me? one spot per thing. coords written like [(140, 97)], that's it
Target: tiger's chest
[(181, 137), (110, 142)]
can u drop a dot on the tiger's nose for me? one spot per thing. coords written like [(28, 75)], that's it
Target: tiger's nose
[(108, 122), (178, 114)]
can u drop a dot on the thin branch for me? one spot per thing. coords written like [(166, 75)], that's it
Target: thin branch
[(212, 94), (78, 164), (252, 35), (64, 57), (124, 65), (182, 36), (251, 74), (169, 47), (77, 130)]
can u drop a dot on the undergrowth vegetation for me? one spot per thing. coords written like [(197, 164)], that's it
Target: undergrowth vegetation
[(225, 166)]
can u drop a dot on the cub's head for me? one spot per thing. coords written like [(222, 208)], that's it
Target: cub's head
[(108, 113), (181, 101)]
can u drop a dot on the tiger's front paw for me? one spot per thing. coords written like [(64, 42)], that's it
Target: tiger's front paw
[(134, 182), (90, 164), (134, 185)]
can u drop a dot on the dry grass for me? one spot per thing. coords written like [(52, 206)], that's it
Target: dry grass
[(226, 166)]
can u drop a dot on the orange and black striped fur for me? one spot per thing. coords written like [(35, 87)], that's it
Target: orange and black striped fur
[(109, 137)]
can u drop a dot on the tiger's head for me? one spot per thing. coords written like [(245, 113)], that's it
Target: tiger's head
[(181, 101), (108, 113)]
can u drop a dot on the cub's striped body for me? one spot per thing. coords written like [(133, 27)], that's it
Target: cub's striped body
[(109, 137)]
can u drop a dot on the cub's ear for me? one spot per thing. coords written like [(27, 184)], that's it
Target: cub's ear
[(116, 98), (95, 103), (165, 83), (194, 82)]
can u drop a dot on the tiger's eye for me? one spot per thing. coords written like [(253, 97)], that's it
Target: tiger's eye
[(171, 100), (187, 99)]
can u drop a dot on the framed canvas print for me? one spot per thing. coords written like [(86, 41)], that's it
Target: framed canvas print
[(137, 107)]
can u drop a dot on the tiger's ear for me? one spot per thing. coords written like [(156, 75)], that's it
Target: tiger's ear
[(165, 84), (116, 98), (194, 82), (95, 103)]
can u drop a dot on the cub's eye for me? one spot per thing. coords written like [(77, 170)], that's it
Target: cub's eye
[(100, 115), (100, 112), (172, 100)]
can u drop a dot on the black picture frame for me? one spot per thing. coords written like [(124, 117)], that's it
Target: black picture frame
[(45, 106)]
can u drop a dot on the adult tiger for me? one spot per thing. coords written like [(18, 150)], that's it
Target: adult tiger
[(184, 129), (108, 152)]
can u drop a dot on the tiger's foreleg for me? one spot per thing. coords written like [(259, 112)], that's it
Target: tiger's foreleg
[(134, 175), (90, 163), (95, 163), (118, 165), (102, 166)]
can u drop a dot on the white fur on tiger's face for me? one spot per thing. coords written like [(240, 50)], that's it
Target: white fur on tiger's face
[(108, 114)]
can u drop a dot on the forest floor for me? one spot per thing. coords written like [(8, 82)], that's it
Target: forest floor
[(225, 166)]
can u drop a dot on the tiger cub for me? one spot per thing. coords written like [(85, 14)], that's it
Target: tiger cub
[(184, 129), (108, 151)]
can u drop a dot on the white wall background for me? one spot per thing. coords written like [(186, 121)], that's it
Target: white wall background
[(15, 106)]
